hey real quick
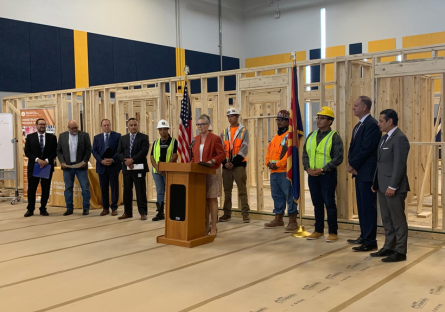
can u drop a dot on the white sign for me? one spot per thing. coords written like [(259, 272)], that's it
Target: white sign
[(6, 145)]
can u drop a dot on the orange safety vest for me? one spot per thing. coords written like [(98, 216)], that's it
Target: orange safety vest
[(232, 148), (275, 152)]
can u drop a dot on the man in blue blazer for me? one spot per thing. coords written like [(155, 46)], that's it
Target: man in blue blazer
[(362, 162), (107, 168)]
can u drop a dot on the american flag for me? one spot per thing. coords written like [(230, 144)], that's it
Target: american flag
[(185, 127)]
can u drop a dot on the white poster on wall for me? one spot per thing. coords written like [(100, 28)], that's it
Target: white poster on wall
[(6, 145)]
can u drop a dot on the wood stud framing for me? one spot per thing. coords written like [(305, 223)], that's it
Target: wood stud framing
[(405, 86)]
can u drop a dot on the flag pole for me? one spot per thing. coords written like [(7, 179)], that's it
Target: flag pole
[(301, 232)]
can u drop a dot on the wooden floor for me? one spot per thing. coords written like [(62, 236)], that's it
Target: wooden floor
[(91, 263)]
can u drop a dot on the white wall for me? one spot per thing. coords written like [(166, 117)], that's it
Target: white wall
[(347, 21), (143, 20)]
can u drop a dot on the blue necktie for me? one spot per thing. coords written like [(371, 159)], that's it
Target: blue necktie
[(106, 140), (42, 147), (131, 143)]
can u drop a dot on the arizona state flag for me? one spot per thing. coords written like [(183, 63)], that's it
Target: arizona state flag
[(294, 139)]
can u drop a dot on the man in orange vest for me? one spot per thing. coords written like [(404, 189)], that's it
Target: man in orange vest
[(280, 186), (236, 144)]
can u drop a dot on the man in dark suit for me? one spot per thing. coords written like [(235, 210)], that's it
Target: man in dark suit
[(40, 147), (391, 184), (107, 168), (133, 151), (362, 161), (74, 147)]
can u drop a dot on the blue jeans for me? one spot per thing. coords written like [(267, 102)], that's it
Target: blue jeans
[(160, 186), (322, 189), (281, 190), (68, 178)]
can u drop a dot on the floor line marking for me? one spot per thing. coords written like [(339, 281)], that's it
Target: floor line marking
[(156, 275)]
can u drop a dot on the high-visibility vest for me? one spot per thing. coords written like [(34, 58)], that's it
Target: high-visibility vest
[(233, 145), (275, 152), (157, 151), (319, 155)]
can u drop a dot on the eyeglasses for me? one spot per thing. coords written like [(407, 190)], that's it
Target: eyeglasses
[(320, 118), (201, 124), (280, 119)]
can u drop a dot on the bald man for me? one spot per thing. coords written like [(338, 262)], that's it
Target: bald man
[(74, 147)]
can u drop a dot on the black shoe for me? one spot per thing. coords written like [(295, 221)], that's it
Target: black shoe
[(44, 213), (29, 213), (395, 257), (160, 216), (364, 247), (86, 212), (382, 253), (68, 212), (357, 241)]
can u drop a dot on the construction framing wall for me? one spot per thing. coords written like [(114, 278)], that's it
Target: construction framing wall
[(406, 86)]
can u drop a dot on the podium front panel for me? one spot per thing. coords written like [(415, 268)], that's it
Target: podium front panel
[(178, 199)]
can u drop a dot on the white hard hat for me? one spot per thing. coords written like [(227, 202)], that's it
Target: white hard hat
[(232, 111), (163, 124), (210, 128)]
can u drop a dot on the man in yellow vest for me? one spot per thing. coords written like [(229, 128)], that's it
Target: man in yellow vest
[(322, 154), (280, 186), (165, 149), (236, 145)]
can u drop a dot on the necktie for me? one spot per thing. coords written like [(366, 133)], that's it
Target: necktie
[(106, 140), (131, 142), (385, 137), (41, 144), (356, 129)]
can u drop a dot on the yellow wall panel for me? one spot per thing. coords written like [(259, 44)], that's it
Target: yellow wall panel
[(383, 45), (329, 68), (417, 41), (272, 60), (81, 59)]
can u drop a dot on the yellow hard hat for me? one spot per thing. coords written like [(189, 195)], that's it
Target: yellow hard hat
[(326, 111)]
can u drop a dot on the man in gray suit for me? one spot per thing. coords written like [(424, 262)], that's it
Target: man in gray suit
[(74, 147), (391, 183)]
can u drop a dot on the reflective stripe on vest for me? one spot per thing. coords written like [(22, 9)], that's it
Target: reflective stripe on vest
[(319, 155), (283, 143), (157, 151), (232, 148)]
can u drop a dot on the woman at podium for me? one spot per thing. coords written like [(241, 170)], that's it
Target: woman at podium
[(208, 148)]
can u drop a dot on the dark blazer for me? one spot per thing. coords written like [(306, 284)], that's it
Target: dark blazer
[(391, 164), (83, 149), (99, 148), (32, 150), (213, 149), (362, 155), (139, 152)]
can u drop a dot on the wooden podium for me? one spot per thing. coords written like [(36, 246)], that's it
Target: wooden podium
[(185, 200)]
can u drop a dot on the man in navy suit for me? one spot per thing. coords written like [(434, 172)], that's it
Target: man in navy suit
[(107, 168), (41, 148), (362, 162)]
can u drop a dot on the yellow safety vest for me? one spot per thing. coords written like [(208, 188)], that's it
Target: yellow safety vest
[(157, 151), (319, 155)]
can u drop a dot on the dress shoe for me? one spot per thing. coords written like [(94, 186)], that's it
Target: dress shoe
[(364, 247), (357, 241), (395, 257), (105, 212), (143, 217), (44, 213), (85, 213), (125, 216), (382, 253), (114, 212), (29, 213), (68, 212)]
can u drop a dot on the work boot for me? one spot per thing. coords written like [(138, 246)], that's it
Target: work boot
[(293, 224), (160, 216), (275, 223), (315, 235)]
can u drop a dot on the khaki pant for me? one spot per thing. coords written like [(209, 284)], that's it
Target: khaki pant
[(237, 174)]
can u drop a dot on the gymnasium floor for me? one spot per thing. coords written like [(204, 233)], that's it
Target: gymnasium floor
[(91, 263)]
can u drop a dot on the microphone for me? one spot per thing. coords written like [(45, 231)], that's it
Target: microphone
[(192, 143)]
